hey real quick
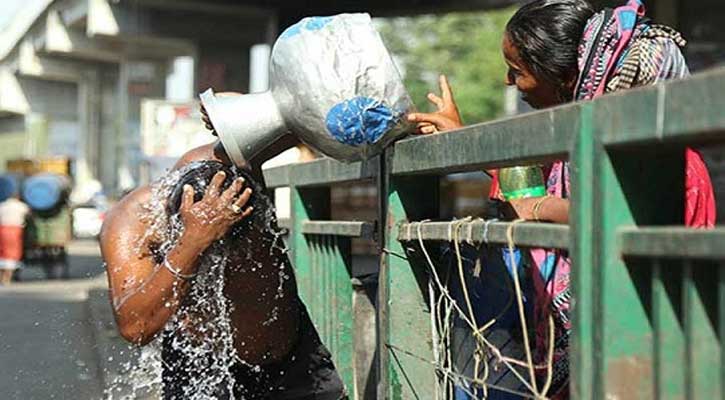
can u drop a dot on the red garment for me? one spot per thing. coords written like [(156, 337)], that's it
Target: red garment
[(700, 206), (11, 242), (699, 194)]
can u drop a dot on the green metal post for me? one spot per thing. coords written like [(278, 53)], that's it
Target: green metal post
[(703, 359), (669, 339), (632, 186), (404, 319), (582, 358)]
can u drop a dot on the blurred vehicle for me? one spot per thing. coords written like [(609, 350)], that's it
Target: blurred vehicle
[(48, 230)]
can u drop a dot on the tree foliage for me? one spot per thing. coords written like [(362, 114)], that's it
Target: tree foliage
[(464, 46)]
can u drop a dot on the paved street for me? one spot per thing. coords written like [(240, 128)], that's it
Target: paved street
[(46, 341)]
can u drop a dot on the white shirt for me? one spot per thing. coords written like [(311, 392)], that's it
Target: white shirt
[(13, 212)]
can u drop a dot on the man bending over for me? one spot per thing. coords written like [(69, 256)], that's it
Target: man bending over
[(198, 261)]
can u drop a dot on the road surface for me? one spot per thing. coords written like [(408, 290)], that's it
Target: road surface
[(47, 346)]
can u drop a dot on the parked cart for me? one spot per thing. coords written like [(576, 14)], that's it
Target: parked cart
[(49, 229)]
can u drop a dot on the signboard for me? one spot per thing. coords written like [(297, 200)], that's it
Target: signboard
[(168, 130)]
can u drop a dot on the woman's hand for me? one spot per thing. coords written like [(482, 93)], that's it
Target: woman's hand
[(522, 208), (549, 208), (210, 218), (446, 118)]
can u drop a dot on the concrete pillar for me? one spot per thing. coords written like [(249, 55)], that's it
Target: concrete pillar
[(87, 159), (124, 177)]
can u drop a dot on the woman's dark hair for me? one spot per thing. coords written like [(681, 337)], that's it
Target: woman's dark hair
[(547, 34), (199, 174)]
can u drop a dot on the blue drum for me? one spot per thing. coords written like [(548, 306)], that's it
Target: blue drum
[(9, 186), (45, 192)]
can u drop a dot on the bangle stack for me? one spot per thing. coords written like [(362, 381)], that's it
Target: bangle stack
[(176, 272), (537, 207)]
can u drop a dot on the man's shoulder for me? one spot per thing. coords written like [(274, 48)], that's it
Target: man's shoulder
[(201, 153), (129, 206)]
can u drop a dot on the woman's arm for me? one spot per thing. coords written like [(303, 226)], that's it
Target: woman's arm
[(144, 293), (550, 209)]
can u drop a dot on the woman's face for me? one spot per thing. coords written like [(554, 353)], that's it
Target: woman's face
[(538, 93)]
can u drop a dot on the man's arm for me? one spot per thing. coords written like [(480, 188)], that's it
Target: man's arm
[(144, 293)]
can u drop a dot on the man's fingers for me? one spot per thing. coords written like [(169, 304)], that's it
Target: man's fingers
[(205, 119), (243, 198), (216, 183), (247, 212), (187, 198), (436, 100), (445, 89), (232, 190)]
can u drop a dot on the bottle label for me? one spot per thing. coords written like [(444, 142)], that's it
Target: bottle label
[(536, 191)]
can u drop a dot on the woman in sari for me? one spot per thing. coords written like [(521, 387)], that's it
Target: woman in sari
[(560, 51)]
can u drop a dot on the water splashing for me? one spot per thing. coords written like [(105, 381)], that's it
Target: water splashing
[(199, 344)]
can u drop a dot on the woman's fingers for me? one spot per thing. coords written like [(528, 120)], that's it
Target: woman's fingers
[(429, 118), (428, 129), (436, 100), (445, 89), (215, 184)]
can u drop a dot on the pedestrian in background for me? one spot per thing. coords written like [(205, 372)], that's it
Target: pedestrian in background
[(13, 213)]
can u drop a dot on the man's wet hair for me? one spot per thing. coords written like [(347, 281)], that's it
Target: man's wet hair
[(199, 174)]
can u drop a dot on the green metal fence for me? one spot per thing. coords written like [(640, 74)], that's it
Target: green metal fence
[(649, 295)]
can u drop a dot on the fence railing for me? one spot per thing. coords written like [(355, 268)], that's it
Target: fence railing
[(649, 295)]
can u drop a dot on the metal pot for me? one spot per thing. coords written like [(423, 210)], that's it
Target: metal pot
[(333, 84)]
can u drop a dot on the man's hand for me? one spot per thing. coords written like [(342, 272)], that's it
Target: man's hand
[(210, 218), (446, 118), (205, 116)]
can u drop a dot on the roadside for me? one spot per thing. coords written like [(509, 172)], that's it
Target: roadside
[(47, 345)]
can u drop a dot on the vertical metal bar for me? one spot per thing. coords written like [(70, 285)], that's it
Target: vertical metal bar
[(582, 363), (703, 345), (721, 320), (331, 293), (326, 293), (669, 339), (403, 293), (628, 182), (309, 284), (307, 204), (343, 311), (323, 291), (320, 287), (381, 316)]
